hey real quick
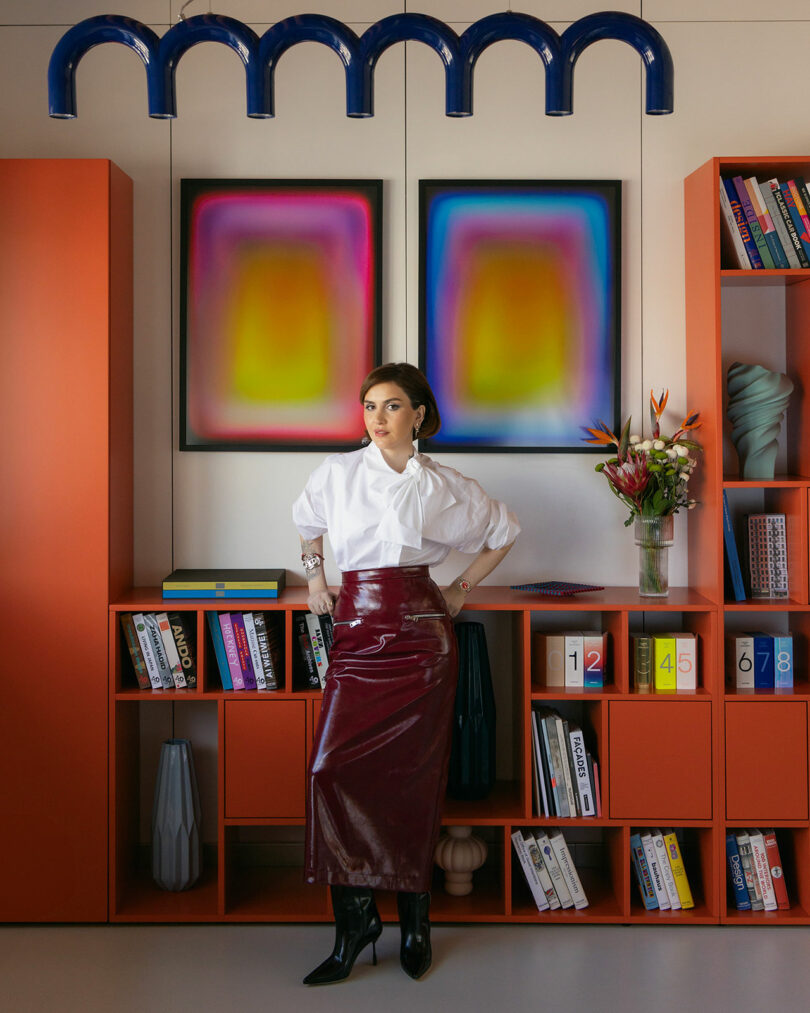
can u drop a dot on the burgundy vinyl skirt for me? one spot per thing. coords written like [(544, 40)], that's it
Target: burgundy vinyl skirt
[(378, 769)]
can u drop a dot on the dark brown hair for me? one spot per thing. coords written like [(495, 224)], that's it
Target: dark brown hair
[(414, 382)]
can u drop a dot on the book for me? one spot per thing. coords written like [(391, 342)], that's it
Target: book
[(767, 555), (664, 663), (219, 650), (155, 641), (552, 864), (802, 210), (551, 745), (240, 583), (574, 676), (231, 650), (243, 650), (686, 661), (183, 633), (569, 871), (320, 640), (553, 655), (253, 649), (593, 766), (783, 661), (642, 662), (740, 661), (642, 871), (775, 865), (529, 870), (543, 784), (678, 869), (666, 870), (749, 873), (594, 658), (305, 670), (742, 224), (542, 872), (269, 649), (762, 869), (732, 556), (795, 217), (134, 648), (766, 223), (566, 781), (790, 227), (582, 776), (779, 224), (573, 796), (656, 876), (763, 661), (735, 874), (731, 234), (766, 261), (172, 657)]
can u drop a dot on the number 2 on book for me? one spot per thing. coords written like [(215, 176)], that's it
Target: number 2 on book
[(594, 665)]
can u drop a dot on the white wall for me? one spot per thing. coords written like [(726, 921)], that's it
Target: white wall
[(740, 83)]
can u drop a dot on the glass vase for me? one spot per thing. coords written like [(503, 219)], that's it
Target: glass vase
[(654, 535)]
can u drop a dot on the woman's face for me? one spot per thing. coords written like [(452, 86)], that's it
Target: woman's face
[(389, 418)]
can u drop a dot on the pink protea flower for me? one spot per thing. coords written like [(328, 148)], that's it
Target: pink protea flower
[(629, 478)]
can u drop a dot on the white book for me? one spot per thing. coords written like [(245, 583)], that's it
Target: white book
[(537, 756), (172, 654), (762, 867), (156, 640), (255, 653), (146, 650), (529, 871), (574, 661), (581, 774), (318, 647), (744, 662), (656, 875), (666, 870), (542, 872), (685, 661), (554, 870), (568, 785), (570, 874), (555, 660)]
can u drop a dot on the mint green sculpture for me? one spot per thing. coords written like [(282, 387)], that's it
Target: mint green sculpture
[(757, 398)]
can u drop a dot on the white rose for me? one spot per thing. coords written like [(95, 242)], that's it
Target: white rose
[(634, 439), (646, 445), (671, 454), (658, 445), (681, 451)]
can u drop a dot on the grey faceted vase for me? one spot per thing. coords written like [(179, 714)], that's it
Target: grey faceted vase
[(176, 844)]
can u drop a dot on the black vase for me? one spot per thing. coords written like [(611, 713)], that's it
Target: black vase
[(472, 755), (176, 843)]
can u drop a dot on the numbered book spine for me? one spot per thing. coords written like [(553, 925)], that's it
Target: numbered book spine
[(594, 650), (665, 663), (554, 870), (775, 866), (266, 640), (642, 871), (686, 661), (736, 875), (172, 657), (581, 773), (219, 649), (762, 869), (183, 634), (159, 651), (529, 871), (569, 871), (751, 878), (231, 651), (243, 651), (740, 655), (642, 663), (678, 869), (574, 647), (665, 868), (656, 876), (763, 661), (253, 648), (318, 647), (536, 856), (145, 642), (783, 662), (554, 655), (134, 647)]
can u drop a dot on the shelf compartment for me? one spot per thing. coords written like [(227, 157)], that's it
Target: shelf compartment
[(559, 623), (591, 719), (697, 852), (796, 623), (703, 625), (122, 669), (212, 680), (794, 851)]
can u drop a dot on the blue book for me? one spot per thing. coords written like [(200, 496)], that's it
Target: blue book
[(219, 649), (783, 662), (763, 661), (736, 874), (222, 593), (642, 870), (732, 556), (742, 224)]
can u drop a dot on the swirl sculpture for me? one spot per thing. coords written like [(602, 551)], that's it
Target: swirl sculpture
[(757, 398)]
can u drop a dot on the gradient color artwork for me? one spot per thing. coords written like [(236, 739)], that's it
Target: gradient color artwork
[(519, 322), (279, 312)]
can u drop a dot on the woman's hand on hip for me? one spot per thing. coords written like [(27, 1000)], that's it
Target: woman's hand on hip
[(322, 603), (453, 599)]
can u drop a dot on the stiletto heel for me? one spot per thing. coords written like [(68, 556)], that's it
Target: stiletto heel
[(357, 923)]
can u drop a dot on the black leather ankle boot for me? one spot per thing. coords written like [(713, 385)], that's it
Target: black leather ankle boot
[(357, 923), (414, 953)]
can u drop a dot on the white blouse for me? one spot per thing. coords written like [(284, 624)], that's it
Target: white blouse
[(376, 516)]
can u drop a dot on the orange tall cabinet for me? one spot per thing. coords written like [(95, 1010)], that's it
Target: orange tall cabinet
[(66, 531), (758, 316)]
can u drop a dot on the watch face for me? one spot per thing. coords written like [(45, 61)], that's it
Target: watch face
[(464, 585)]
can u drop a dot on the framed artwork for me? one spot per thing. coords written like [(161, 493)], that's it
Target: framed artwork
[(279, 311), (520, 327)]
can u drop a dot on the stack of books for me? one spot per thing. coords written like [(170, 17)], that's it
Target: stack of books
[(766, 223), (313, 637), (224, 583), (760, 661), (665, 662), (549, 869), (576, 660), (755, 871), (248, 650), (660, 872), (161, 648), (565, 775)]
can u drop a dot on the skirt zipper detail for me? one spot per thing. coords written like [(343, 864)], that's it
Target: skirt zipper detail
[(347, 622), (426, 615)]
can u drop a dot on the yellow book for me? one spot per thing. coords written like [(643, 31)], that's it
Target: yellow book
[(678, 871), (665, 663)]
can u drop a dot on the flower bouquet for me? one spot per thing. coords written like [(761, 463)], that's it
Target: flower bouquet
[(651, 478)]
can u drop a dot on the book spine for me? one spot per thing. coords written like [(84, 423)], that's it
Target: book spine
[(656, 876), (318, 647), (555, 762), (762, 869), (158, 650), (766, 223), (263, 638), (572, 774), (642, 871), (581, 774), (642, 663), (597, 791), (775, 865), (763, 661), (569, 871), (568, 782), (538, 787), (796, 218), (791, 258), (172, 657), (305, 655), (219, 650), (574, 678), (665, 664), (134, 647), (529, 871), (736, 875), (540, 867), (790, 227), (802, 210), (243, 650), (543, 785), (766, 261), (732, 556), (686, 662), (783, 662), (253, 650), (145, 642), (225, 594), (594, 653), (231, 650), (743, 654), (183, 634), (554, 870), (742, 224), (751, 878), (731, 231), (678, 870), (555, 660), (666, 870)]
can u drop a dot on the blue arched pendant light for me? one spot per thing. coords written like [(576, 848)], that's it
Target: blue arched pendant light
[(359, 55)]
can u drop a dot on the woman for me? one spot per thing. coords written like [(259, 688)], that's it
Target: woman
[(378, 768)]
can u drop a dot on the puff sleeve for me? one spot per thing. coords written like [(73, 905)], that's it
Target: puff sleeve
[(309, 511), (475, 521)]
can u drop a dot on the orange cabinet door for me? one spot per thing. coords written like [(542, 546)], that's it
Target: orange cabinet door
[(660, 760), (265, 759), (766, 761)]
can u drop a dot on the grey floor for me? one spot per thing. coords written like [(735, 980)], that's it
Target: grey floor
[(495, 968)]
